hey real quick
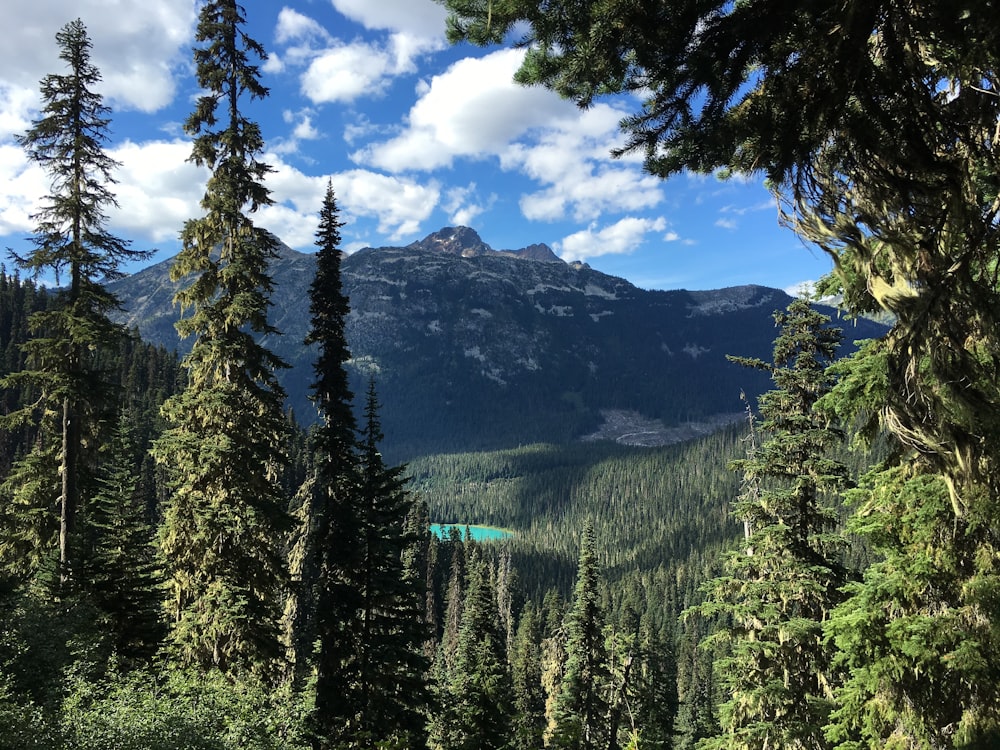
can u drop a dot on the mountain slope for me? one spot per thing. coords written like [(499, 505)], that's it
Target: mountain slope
[(475, 348)]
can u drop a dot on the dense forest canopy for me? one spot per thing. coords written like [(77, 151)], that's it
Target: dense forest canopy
[(182, 566)]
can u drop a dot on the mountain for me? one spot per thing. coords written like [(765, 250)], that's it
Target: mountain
[(475, 348)]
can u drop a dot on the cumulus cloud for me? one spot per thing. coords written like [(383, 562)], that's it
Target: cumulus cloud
[(21, 186), (422, 18), (620, 238), (345, 72), (580, 179), (473, 109), (157, 190), (464, 204), (137, 47), (398, 206), (342, 71)]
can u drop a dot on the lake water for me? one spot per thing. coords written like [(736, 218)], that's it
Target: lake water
[(479, 533)]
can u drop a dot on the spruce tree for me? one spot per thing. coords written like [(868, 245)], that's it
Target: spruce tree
[(391, 693), (776, 592), (332, 551), (479, 692), (119, 563), (526, 673), (582, 707), (71, 243), (223, 529), (912, 636)]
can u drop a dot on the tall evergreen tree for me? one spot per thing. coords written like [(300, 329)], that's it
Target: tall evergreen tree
[(391, 695), (526, 673), (881, 147), (119, 566), (224, 526), (70, 242), (479, 710), (332, 552), (776, 592), (582, 708), (913, 635)]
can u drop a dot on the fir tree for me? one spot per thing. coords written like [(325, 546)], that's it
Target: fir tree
[(582, 709), (526, 673), (479, 691), (391, 692), (119, 566), (70, 242), (333, 549), (776, 592), (223, 530)]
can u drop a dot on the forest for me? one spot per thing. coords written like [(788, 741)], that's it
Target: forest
[(183, 565)]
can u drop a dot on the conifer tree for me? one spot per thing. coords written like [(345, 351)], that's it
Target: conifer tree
[(71, 243), (391, 692), (328, 600), (526, 673), (479, 707), (776, 592), (911, 636), (224, 526), (656, 688), (119, 566), (335, 527), (581, 712)]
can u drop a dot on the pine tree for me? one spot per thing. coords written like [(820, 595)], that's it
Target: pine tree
[(913, 636), (391, 692), (479, 692), (656, 703), (582, 708), (776, 592), (70, 241), (224, 526), (526, 673), (119, 566)]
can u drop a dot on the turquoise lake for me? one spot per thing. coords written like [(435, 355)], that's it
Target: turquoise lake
[(479, 533)]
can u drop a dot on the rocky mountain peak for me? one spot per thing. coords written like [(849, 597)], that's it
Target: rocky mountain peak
[(466, 243), (461, 241)]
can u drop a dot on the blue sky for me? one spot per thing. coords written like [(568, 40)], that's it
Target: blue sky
[(415, 134)]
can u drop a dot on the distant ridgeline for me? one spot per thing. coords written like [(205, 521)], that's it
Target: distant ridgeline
[(477, 349)]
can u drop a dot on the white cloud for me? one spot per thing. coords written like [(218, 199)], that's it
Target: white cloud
[(424, 18), (805, 289), (342, 71), (17, 107), (582, 180), (463, 204), (137, 46), (294, 26), (157, 190), (22, 185), (346, 72), (620, 238), (473, 109), (729, 224), (398, 206)]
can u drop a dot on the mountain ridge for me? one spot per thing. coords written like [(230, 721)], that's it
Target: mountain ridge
[(474, 348)]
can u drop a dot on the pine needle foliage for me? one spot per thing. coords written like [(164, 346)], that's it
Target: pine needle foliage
[(582, 706), (224, 526), (775, 592), (70, 243)]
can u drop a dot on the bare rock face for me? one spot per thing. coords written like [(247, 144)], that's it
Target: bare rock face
[(474, 348)]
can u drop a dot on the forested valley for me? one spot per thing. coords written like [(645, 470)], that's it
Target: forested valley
[(183, 565)]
